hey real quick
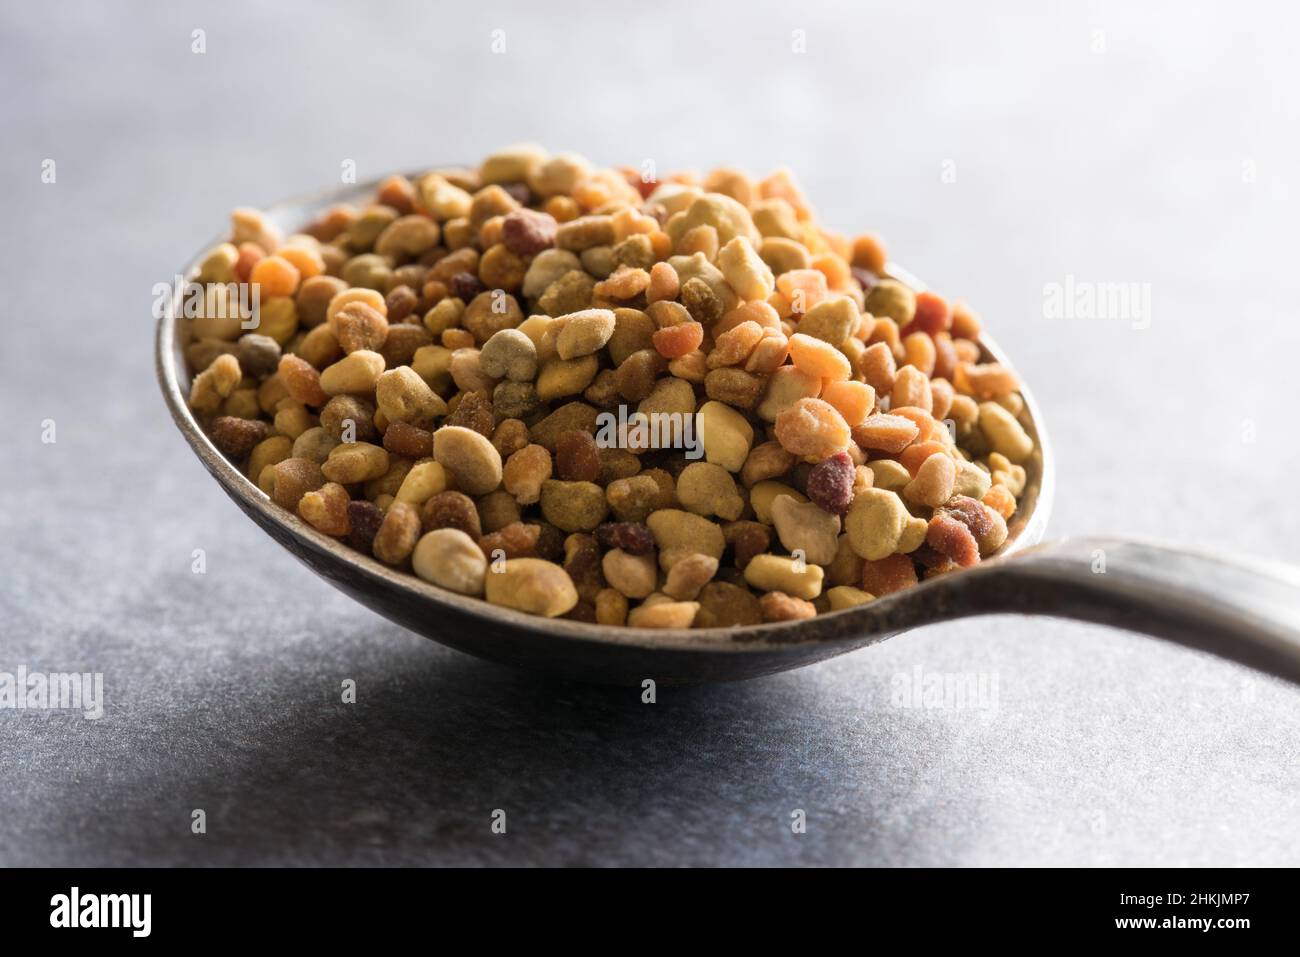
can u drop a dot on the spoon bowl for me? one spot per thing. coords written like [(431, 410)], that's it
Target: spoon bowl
[(1144, 588)]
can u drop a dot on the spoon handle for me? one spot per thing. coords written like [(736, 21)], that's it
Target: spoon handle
[(1244, 610)]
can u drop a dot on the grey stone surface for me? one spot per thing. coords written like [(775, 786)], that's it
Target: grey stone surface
[(1099, 141)]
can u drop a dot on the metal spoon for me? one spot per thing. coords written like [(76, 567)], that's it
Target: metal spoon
[(1243, 610)]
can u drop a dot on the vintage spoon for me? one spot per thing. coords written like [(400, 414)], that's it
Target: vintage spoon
[(1242, 610)]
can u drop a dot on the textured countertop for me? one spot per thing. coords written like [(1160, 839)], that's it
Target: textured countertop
[(999, 150)]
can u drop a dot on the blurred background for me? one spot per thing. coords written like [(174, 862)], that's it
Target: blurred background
[(1002, 151)]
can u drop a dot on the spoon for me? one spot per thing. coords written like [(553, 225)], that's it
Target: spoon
[(1243, 610)]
